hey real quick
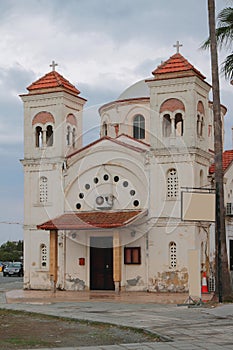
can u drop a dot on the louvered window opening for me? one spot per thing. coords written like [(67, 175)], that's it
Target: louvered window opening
[(43, 190), (43, 255), (172, 184), (172, 252)]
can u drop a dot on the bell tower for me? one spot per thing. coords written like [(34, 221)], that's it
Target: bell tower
[(52, 117), (181, 119), (52, 130), (179, 99)]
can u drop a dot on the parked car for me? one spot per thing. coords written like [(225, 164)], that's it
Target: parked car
[(13, 269)]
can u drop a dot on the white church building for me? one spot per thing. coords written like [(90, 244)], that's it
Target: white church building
[(107, 216)]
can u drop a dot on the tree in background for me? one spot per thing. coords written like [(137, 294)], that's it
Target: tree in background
[(11, 251), (224, 37)]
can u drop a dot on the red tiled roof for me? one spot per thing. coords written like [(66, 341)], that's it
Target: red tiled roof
[(91, 220), (176, 64), (52, 80), (227, 159)]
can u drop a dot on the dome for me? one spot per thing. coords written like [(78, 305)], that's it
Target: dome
[(139, 89)]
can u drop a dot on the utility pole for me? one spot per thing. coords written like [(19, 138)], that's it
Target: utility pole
[(223, 283)]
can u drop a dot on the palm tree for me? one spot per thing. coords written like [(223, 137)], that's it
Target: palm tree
[(224, 37)]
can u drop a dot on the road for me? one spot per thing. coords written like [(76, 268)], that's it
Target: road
[(10, 283)]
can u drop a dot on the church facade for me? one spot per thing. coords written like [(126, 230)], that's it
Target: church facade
[(107, 216)]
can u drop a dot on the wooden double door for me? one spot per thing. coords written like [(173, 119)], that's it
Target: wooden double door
[(101, 263)]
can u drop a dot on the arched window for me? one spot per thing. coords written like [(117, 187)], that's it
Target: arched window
[(202, 127), (172, 255), (73, 137), (39, 137), (68, 132), (200, 118), (167, 125), (105, 129), (179, 124), (43, 189), (198, 125), (43, 134), (49, 135), (43, 256), (139, 127), (172, 184)]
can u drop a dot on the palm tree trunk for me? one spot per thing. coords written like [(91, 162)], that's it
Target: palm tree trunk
[(223, 282)]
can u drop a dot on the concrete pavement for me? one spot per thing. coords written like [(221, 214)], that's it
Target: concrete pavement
[(182, 327)]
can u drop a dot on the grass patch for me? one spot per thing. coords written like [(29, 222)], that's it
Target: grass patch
[(24, 330)]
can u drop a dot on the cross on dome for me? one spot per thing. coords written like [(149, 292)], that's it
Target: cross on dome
[(177, 45), (53, 65)]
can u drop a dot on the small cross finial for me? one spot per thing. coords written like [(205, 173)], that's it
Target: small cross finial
[(53, 65), (177, 45)]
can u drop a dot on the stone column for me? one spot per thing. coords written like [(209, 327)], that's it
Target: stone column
[(44, 138), (173, 129), (53, 257), (117, 261)]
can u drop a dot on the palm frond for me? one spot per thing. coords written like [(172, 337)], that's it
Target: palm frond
[(206, 44), (225, 17), (224, 32), (224, 36), (227, 67)]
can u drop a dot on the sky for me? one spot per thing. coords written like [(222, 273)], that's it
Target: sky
[(102, 47)]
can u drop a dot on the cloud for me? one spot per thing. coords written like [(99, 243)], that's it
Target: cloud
[(12, 81), (102, 47)]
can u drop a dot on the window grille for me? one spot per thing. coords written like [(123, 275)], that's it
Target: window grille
[(172, 255), (172, 183), (43, 255), (43, 190), (211, 283)]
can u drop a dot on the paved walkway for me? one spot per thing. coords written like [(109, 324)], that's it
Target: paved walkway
[(181, 327)]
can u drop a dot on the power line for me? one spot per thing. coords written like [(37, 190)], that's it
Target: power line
[(11, 223)]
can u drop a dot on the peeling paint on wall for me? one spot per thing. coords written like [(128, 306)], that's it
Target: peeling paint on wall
[(39, 280), (73, 283), (170, 281), (134, 281)]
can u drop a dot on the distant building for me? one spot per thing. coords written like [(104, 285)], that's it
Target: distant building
[(107, 216)]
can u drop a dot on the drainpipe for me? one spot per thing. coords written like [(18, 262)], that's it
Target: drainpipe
[(147, 262), (148, 160), (64, 259), (63, 263)]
